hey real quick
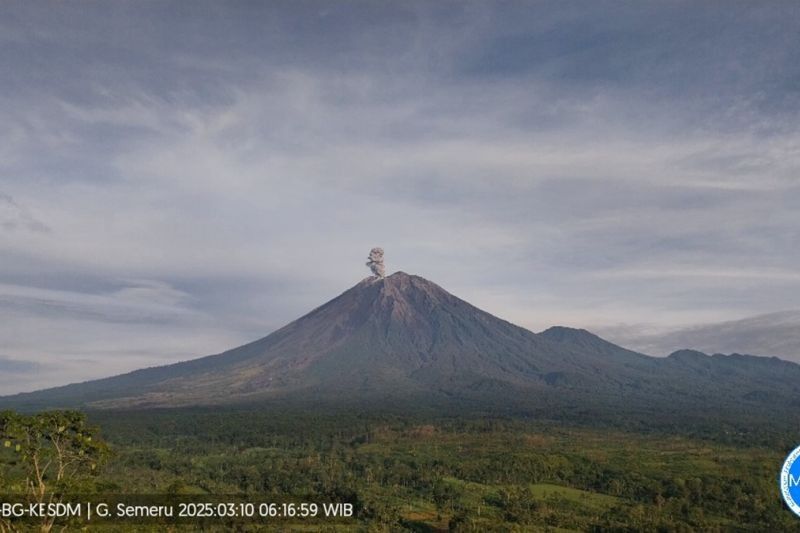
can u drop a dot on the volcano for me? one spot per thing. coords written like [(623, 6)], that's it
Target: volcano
[(403, 338)]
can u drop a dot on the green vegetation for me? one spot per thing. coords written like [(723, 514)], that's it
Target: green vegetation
[(457, 473), (47, 456)]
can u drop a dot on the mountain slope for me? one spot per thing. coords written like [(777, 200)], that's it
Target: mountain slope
[(403, 337)]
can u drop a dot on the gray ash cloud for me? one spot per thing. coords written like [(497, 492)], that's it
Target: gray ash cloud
[(375, 262)]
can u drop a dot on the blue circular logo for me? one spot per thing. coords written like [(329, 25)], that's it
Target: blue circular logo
[(790, 481)]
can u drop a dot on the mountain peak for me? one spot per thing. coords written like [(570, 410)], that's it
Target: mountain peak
[(397, 280), (563, 333), (398, 296), (402, 280), (402, 337), (688, 355)]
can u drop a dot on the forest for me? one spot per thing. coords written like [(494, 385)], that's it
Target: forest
[(399, 472)]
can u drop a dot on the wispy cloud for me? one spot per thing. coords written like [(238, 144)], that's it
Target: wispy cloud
[(13, 217), (773, 334), (206, 177), (11, 366)]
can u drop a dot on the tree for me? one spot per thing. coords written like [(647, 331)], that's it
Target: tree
[(48, 455)]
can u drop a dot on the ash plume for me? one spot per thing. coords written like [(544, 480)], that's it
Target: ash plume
[(375, 262)]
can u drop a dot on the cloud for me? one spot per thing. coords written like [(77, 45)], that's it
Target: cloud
[(15, 374), (587, 167), (14, 366), (16, 217), (772, 334), (144, 302), (62, 336)]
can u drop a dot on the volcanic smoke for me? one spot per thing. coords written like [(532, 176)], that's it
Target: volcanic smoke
[(375, 262)]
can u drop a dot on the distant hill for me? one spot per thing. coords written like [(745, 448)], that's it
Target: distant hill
[(405, 339), (773, 334)]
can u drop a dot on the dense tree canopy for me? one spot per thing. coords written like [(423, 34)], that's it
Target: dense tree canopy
[(48, 455)]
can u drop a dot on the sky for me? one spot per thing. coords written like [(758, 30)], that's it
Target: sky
[(178, 178)]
